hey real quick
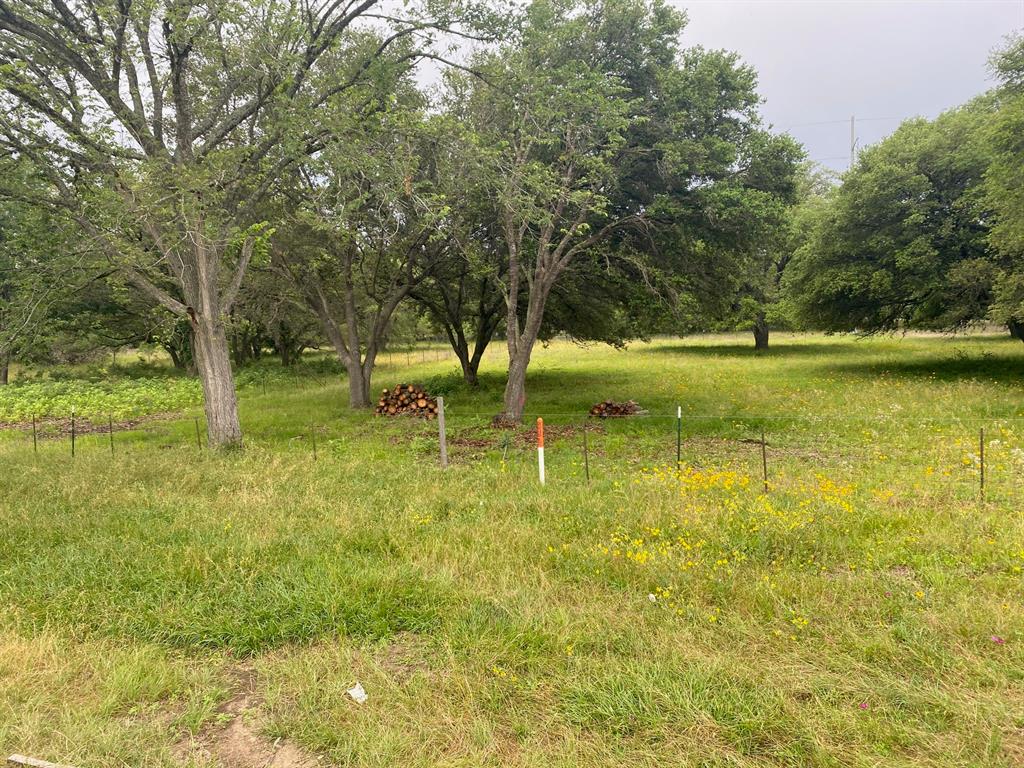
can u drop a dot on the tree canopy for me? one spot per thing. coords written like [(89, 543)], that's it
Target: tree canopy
[(903, 242)]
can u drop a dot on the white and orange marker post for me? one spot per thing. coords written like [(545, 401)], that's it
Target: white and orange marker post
[(540, 448)]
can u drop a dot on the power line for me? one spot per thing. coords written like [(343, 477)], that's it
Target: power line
[(845, 120)]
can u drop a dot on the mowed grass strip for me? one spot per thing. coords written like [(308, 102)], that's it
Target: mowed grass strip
[(866, 611)]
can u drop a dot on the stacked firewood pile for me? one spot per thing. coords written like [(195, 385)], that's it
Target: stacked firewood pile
[(609, 408), (406, 398)]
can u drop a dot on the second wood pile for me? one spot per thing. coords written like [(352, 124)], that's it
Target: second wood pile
[(609, 408)]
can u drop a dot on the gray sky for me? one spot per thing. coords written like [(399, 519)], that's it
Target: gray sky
[(882, 61)]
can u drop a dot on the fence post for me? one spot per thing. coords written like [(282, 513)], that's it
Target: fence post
[(679, 436), (110, 431), (72, 433), (586, 454), (35, 445), (442, 436), (540, 448), (981, 457), (764, 461)]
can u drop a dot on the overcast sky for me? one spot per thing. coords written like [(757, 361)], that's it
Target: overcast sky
[(881, 60)]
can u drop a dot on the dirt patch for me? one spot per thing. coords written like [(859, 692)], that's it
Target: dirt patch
[(234, 739), (472, 441), (904, 572), (528, 437), (404, 656)]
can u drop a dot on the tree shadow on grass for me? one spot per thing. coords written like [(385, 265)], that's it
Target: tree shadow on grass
[(788, 349), (990, 368)]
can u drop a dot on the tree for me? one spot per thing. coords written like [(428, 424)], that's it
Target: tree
[(161, 125), (600, 140), (774, 215), (38, 266), (461, 293), (551, 131), (1004, 186), (270, 313), (464, 301), (903, 242), (367, 229)]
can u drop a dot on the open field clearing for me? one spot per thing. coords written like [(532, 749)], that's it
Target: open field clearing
[(867, 610)]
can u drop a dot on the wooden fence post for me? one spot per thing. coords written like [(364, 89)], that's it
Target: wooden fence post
[(442, 436), (764, 461), (981, 457), (679, 436)]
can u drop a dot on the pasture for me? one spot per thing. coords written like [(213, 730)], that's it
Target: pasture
[(163, 605)]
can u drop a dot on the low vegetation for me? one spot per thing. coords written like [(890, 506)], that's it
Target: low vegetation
[(866, 610)]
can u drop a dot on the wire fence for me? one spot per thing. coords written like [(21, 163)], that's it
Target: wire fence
[(979, 457)]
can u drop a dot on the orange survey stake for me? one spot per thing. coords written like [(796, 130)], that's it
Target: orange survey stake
[(540, 449)]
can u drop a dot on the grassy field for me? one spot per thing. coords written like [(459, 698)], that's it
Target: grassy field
[(165, 606)]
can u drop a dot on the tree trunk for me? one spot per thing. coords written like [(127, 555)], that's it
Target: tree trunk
[(469, 364), (484, 333), (359, 384), (520, 349), (1016, 328), (760, 333), (521, 342), (5, 369), (470, 370), (515, 388), (180, 345), (176, 361), (213, 360), (239, 346)]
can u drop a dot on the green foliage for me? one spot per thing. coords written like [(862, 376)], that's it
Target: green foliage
[(38, 262), (903, 242), (1005, 182), (96, 400)]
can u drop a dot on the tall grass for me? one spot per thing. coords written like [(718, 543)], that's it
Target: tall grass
[(866, 611)]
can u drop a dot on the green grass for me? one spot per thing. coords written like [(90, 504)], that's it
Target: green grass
[(866, 611)]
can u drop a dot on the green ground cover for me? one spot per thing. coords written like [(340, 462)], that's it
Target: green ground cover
[(166, 606)]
